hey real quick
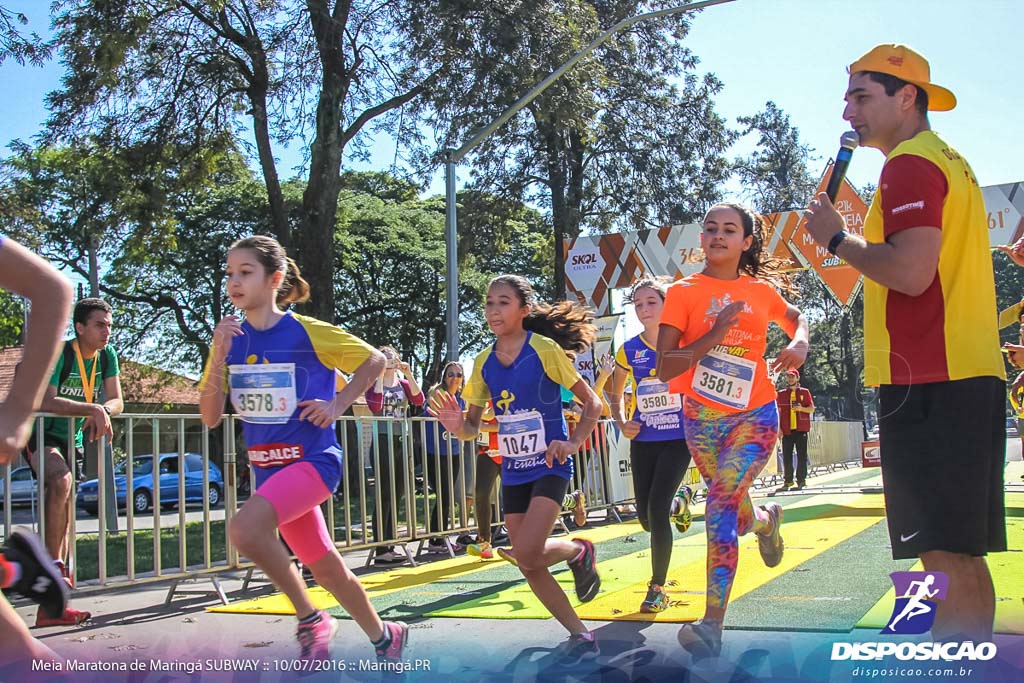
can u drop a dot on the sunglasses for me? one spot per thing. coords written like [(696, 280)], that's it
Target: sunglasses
[(451, 375)]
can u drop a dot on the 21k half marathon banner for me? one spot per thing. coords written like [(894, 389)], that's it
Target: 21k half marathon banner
[(597, 264)]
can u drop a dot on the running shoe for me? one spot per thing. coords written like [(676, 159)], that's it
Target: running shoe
[(315, 639), (389, 557), (437, 545), (584, 571), (482, 550), (40, 580), (770, 545), (70, 617), (701, 639), (679, 511), (399, 639), (579, 508), (507, 555), (580, 648), (656, 600)]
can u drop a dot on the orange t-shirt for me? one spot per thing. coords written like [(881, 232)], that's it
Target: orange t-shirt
[(732, 377)]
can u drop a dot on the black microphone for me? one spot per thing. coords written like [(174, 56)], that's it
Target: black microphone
[(847, 143)]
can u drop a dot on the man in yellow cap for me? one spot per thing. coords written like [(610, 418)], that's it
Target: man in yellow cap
[(931, 341)]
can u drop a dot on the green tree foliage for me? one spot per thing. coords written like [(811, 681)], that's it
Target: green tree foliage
[(85, 203), (627, 139), (190, 74), (390, 264), (16, 44), (775, 176), (12, 319)]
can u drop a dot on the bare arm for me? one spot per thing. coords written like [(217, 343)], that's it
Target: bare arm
[(674, 361), (211, 401), (27, 275), (363, 377), (907, 262)]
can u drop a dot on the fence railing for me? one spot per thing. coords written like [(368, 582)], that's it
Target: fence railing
[(403, 481)]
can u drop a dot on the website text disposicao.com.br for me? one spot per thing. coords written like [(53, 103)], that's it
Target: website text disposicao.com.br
[(912, 657), (905, 672)]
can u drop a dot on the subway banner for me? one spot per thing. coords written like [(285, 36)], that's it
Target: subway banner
[(597, 264)]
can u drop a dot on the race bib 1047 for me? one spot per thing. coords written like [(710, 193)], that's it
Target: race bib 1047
[(725, 379), (263, 394), (521, 435)]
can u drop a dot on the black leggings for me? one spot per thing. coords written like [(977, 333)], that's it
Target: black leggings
[(387, 524), (487, 472), (445, 492), (658, 469)]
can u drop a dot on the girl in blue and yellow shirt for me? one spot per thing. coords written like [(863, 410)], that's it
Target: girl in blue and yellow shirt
[(281, 372), (522, 374)]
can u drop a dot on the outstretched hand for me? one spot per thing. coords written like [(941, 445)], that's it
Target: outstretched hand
[(447, 410), (1015, 252)]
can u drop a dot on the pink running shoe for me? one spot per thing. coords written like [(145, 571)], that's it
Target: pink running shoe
[(399, 639), (315, 639)]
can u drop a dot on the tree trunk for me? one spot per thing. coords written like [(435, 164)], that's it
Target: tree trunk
[(94, 271), (315, 237)]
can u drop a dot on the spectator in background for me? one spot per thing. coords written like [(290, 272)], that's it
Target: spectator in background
[(796, 405), (444, 458), (86, 384), (391, 396)]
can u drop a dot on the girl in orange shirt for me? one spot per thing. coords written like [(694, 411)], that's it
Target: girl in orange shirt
[(711, 346)]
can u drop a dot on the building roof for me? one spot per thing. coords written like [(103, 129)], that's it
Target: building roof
[(141, 384)]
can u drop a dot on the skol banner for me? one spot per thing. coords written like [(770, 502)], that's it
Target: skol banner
[(597, 264)]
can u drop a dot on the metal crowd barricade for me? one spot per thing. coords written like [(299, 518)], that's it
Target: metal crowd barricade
[(377, 450)]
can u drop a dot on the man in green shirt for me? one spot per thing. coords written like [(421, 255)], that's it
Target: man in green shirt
[(86, 367)]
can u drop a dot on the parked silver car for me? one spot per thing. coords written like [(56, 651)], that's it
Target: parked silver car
[(23, 487)]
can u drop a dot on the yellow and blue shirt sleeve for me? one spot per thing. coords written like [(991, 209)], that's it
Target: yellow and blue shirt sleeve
[(335, 347), (206, 373), (476, 392), (557, 365)]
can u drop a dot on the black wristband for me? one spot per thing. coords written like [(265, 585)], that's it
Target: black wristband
[(836, 240)]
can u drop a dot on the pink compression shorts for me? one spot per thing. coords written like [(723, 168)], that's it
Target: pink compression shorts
[(295, 494)]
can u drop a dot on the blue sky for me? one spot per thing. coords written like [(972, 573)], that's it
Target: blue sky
[(791, 51)]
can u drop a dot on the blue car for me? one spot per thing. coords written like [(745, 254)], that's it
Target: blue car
[(142, 492)]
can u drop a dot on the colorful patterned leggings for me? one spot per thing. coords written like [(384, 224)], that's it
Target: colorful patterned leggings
[(729, 449)]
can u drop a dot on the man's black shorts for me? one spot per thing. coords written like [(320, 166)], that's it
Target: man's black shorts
[(516, 498), (943, 447), (53, 442)]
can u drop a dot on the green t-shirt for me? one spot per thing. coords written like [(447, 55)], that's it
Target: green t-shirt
[(57, 427)]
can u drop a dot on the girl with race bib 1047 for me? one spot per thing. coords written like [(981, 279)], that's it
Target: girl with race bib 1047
[(657, 449), (280, 370), (521, 374), (711, 346)]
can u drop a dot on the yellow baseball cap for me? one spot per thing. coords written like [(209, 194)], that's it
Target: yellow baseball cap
[(903, 63)]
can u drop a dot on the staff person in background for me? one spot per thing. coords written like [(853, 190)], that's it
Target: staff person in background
[(796, 405)]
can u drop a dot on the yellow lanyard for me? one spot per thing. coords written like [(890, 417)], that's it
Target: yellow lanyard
[(87, 385), (792, 408)]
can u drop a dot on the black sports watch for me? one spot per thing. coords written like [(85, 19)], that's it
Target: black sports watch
[(836, 240)]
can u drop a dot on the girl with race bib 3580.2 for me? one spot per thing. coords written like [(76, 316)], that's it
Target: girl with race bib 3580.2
[(521, 374), (711, 346), (657, 449), (280, 370)]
